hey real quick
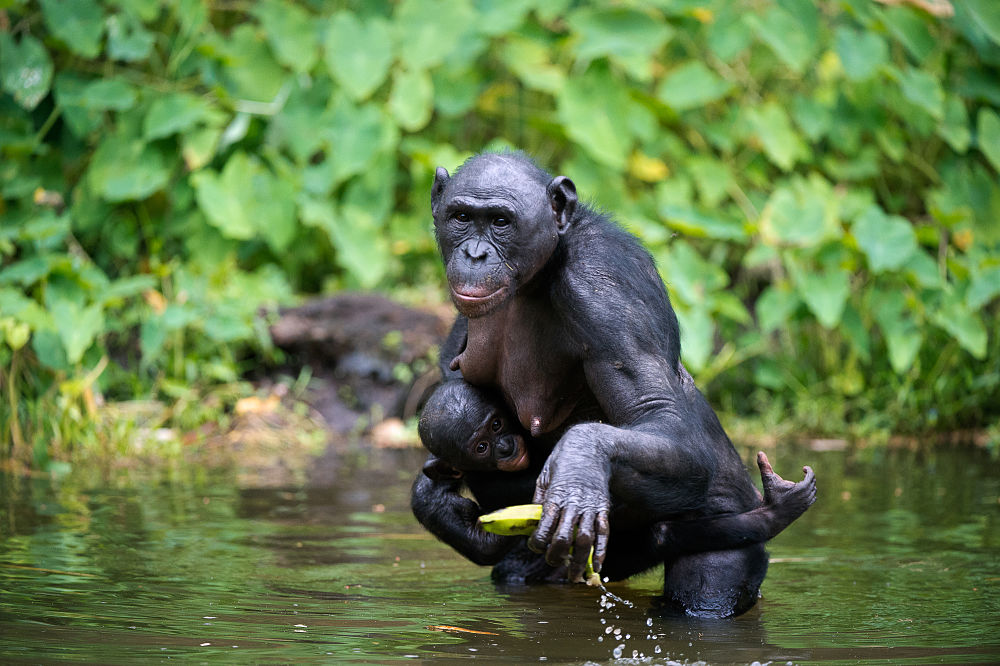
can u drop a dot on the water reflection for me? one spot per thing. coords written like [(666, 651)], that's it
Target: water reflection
[(897, 561)]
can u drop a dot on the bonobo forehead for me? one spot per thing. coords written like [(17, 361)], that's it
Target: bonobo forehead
[(511, 177)]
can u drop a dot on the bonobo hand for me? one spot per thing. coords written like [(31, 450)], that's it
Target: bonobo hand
[(573, 488)]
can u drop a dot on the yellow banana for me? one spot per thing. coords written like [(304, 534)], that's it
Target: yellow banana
[(517, 520), (521, 520)]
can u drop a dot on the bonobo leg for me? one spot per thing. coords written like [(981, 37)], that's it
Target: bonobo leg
[(717, 584), (784, 501)]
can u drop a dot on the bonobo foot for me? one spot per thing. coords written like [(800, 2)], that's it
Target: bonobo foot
[(785, 500)]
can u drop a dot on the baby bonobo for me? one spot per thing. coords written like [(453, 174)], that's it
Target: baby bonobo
[(498, 444)]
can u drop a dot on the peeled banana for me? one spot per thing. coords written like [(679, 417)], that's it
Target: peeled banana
[(517, 520), (521, 520)]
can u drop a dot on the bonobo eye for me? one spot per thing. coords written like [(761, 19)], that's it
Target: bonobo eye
[(482, 447), (496, 425), (500, 221)]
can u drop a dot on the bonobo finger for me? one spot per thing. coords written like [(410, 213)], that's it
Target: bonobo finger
[(541, 486), (601, 542), (539, 541), (558, 552), (582, 544)]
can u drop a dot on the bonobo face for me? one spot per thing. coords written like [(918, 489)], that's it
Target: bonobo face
[(497, 222), (495, 444)]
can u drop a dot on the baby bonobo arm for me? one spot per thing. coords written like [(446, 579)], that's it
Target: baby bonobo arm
[(783, 502)]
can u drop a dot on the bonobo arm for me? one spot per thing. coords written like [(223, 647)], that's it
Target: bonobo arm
[(439, 507), (654, 454)]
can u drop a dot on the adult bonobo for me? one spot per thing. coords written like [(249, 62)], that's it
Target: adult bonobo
[(565, 315)]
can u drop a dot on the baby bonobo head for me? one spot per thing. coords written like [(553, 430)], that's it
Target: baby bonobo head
[(496, 443)]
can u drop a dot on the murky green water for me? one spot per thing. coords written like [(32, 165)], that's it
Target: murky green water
[(898, 562)]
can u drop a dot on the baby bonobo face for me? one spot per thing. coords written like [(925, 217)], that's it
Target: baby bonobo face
[(496, 444)]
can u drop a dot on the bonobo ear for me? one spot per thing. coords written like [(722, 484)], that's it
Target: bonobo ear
[(441, 178), (438, 470), (562, 198)]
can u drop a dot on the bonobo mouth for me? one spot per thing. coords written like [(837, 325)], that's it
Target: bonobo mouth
[(473, 302), (518, 460)]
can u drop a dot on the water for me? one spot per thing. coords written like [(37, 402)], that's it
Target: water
[(898, 561)]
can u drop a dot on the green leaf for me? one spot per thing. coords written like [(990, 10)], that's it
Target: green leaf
[(986, 14), (962, 324), (248, 70), (411, 100), (358, 134), (25, 69), (902, 339), (291, 33), (793, 218), (954, 127), (824, 292), (358, 53), (79, 23), (697, 336), (888, 241), (692, 222), (791, 41), (173, 113), (622, 33), (128, 40), (988, 135), (125, 169), (924, 90), (77, 327), (984, 287), (114, 94), (861, 53), (910, 29), (589, 107), (502, 17), (362, 249), (532, 62), (246, 200), (781, 143), (428, 31), (691, 85)]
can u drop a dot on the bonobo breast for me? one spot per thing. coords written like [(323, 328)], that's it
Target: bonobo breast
[(520, 350)]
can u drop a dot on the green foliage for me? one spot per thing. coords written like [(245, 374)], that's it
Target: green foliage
[(830, 170)]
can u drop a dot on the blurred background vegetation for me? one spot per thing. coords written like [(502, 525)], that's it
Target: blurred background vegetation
[(818, 182)]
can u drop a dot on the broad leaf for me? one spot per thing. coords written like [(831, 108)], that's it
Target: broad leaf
[(861, 53), (25, 69), (589, 108), (888, 241), (411, 100), (358, 53), (988, 135), (79, 23), (124, 169), (173, 113), (824, 292), (781, 143), (691, 85), (291, 33)]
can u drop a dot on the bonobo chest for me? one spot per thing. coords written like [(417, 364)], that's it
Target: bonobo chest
[(521, 351)]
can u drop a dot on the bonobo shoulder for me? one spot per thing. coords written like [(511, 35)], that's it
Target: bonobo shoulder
[(609, 291)]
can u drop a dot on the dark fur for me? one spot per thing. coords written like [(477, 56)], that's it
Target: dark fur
[(566, 316)]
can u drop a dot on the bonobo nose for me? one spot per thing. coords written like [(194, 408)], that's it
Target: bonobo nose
[(506, 447), (476, 250)]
